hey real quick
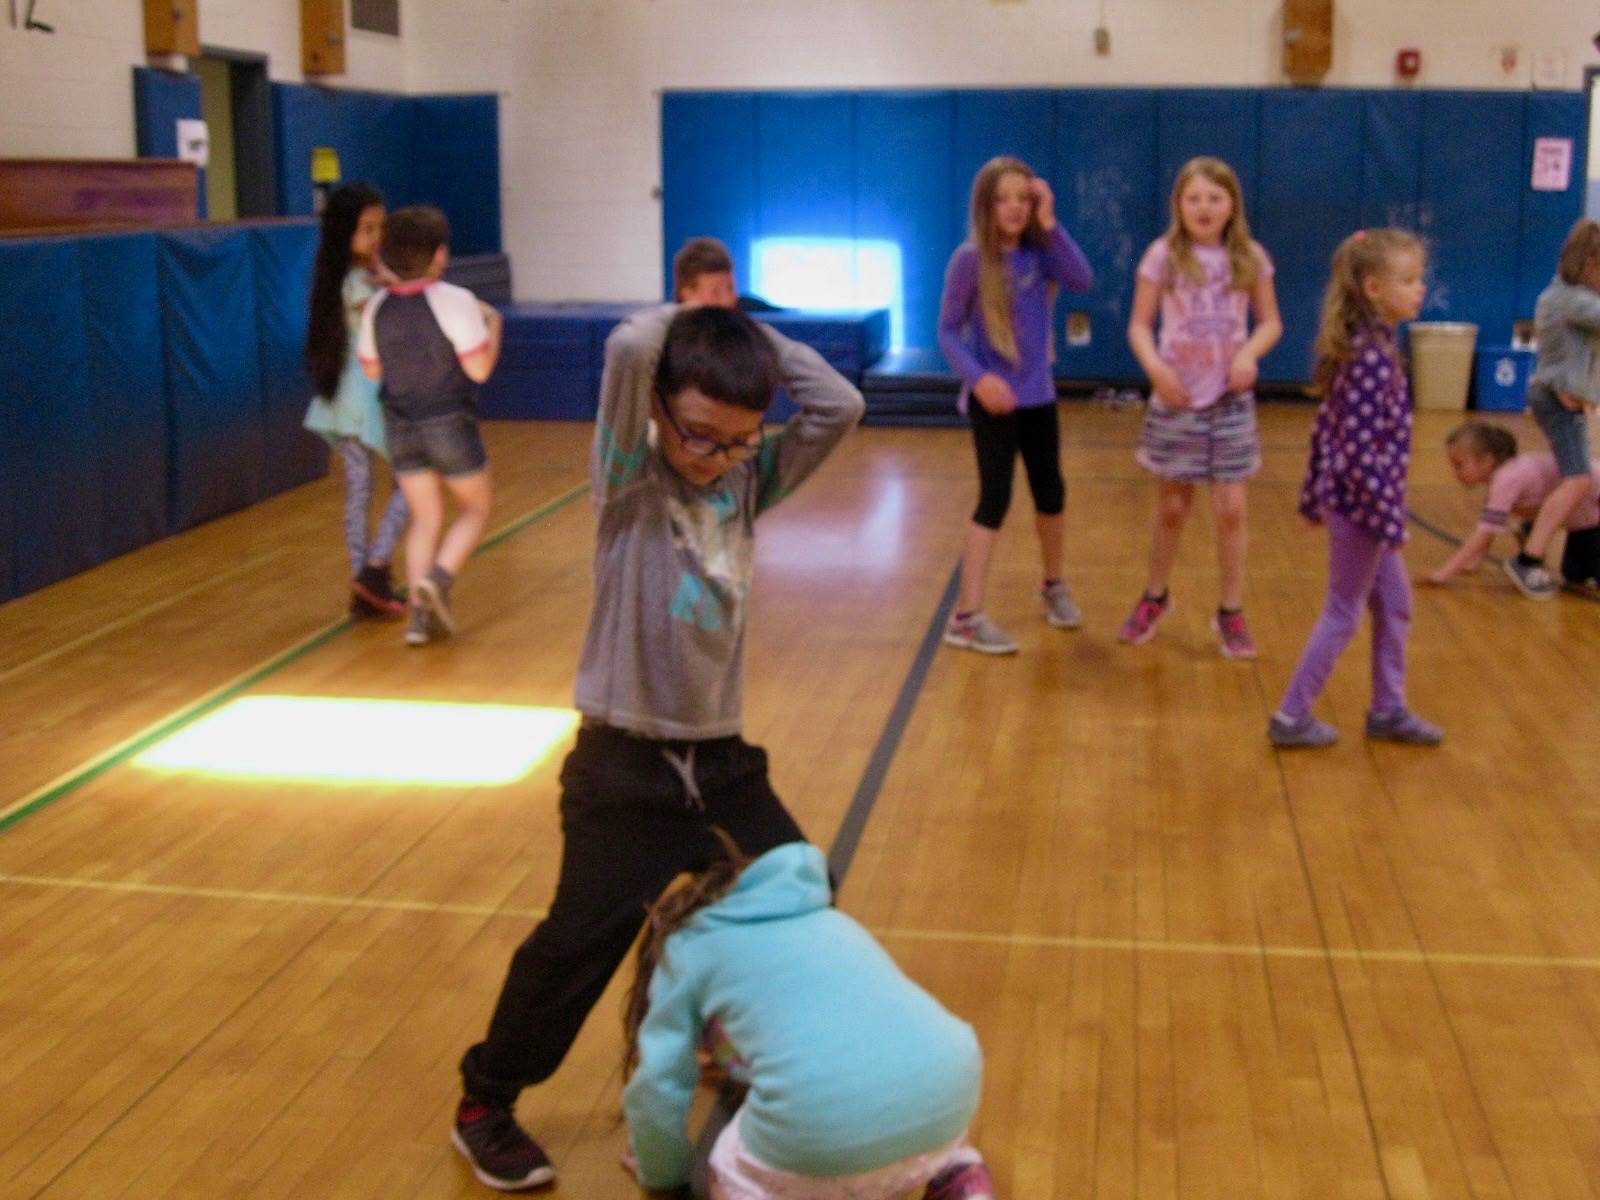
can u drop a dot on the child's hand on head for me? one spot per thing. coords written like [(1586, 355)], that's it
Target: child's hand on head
[(995, 395), (1243, 372), (1044, 202)]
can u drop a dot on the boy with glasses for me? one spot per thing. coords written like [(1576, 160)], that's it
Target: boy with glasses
[(659, 761)]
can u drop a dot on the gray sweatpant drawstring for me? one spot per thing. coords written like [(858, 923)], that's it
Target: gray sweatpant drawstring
[(685, 768)]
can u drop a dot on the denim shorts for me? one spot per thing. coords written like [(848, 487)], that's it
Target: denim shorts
[(449, 445), (1568, 431)]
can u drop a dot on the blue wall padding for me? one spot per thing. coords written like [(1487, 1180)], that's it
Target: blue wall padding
[(553, 354), (1314, 166), (368, 129), (455, 152), (1391, 158), (804, 177), (127, 378), (708, 156), (148, 381), (1104, 197), (44, 378), (1223, 123), (1018, 123), (208, 314), (902, 157), (440, 150), (1547, 217), (159, 99), (1471, 206), (282, 257), (1301, 216)]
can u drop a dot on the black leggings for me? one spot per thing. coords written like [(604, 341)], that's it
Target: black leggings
[(1034, 432), (630, 825)]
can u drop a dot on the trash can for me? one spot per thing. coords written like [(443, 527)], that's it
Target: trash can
[(1501, 379), (1441, 363)]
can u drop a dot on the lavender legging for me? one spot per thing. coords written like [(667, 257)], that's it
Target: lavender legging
[(358, 508), (1362, 573)]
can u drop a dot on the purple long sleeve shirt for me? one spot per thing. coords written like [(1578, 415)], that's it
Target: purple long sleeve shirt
[(1034, 271), (1361, 443)]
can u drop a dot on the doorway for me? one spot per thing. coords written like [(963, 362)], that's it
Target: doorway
[(236, 101)]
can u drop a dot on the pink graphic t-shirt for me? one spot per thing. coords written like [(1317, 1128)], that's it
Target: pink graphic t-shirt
[(1202, 325), (1519, 486)]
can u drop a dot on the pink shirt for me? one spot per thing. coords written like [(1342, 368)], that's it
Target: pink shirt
[(1202, 325), (1520, 485)]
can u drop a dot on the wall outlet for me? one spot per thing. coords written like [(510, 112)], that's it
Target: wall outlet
[(1102, 41)]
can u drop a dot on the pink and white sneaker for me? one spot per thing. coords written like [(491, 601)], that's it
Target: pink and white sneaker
[(1140, 627), (1235, 635)]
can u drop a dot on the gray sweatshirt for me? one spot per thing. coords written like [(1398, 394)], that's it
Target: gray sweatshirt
[(664, 655), (1567, 321)]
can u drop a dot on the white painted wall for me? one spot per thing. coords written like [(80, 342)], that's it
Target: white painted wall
[(70, 94), (584, 106), (580, 79)]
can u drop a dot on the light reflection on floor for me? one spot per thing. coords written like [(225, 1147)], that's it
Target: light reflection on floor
[(342, 741)]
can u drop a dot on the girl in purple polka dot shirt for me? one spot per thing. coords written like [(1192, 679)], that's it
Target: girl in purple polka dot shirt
[(1356, 486)]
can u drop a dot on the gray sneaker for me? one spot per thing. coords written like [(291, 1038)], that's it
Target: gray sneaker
[(1534, 582), (1061, 609), (435, 597), (419, 626), (1307, 733), (979, 633), (1403, 725)]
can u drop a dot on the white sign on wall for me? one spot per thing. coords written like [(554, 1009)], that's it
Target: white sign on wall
[(1552, 164), (194, 141)]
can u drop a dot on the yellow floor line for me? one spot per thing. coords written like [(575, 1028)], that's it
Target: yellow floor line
[(1243, 949), (309, 899), (1045, 941)]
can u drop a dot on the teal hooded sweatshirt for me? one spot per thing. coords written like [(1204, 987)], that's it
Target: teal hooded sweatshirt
[(852, 1065)]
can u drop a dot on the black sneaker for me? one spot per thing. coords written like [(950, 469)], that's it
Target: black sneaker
[(372, 594), (502, 1155)]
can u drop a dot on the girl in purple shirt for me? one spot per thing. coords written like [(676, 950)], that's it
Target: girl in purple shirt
[(994, 328), (1356, 486)]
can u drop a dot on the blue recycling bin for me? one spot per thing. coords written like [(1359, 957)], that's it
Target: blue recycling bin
[(1501, 378)]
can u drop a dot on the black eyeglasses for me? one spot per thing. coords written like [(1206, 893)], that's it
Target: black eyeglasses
[(704, 447)]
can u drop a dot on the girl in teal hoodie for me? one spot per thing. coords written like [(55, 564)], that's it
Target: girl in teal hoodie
[(862, 1085)]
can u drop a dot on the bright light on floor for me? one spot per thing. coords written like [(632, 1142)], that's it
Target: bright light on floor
[(320, 740), (831, 274)]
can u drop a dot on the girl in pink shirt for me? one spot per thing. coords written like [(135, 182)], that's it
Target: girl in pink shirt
[(1203, 276), (1519, 484)]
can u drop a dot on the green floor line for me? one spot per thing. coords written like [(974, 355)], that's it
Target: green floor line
[(117, 755)]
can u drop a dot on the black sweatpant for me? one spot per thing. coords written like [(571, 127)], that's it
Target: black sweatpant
[(1580, 560), (632, 819), (1035, 433)]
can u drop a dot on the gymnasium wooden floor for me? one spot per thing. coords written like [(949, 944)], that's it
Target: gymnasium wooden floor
[(1198, 968)]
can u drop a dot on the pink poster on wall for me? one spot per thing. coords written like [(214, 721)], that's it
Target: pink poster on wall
[(1552, 164)]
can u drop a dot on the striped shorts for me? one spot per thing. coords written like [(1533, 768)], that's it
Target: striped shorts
[(1216, 444)]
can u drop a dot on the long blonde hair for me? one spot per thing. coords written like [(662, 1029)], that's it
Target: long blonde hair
[(1346, 308), (994, 282), (1242, 260), (668, 915)]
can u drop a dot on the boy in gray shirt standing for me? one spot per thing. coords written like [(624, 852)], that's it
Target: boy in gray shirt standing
[(680, 469)]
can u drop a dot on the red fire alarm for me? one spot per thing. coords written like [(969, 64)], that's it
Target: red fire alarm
[(1408, 64)]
